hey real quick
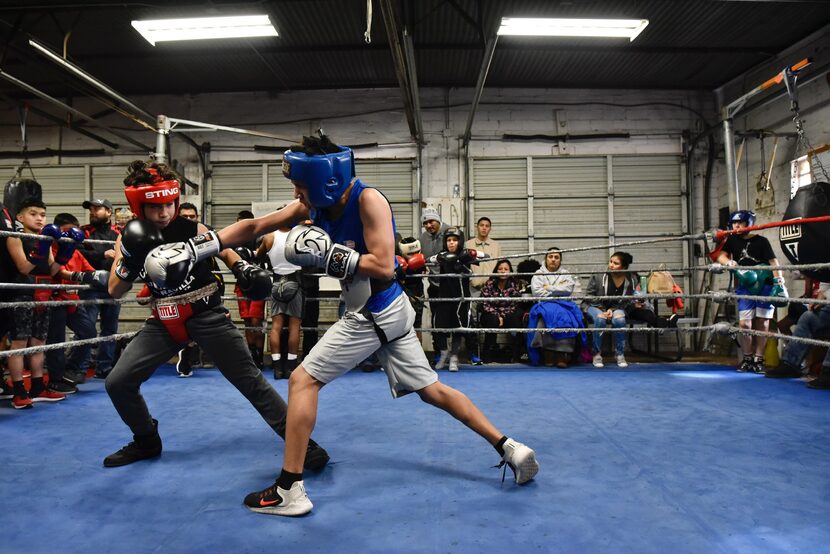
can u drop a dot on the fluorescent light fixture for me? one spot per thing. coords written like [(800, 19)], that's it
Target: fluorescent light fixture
[(201, 28), (622, 28)]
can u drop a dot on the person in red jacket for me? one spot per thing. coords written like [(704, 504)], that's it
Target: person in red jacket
[(65, 373)]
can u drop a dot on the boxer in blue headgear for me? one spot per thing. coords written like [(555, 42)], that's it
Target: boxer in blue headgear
[(746, 216), (326, 170), (353, 239), (742, 251)]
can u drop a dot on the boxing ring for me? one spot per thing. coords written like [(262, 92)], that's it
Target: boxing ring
[(681, 457)]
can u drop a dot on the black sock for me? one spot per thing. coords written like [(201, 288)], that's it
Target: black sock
[(499, 446), (19, 389), (37, 386), (286, 479)]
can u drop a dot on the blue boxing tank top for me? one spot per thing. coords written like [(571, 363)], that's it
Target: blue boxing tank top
[(348, 231)]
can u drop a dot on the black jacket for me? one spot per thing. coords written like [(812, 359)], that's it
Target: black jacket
[(94, 253)]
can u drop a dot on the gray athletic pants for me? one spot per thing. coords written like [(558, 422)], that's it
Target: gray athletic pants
[(214, 332)]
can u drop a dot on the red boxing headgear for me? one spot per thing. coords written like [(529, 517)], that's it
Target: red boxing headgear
[(159, 192)]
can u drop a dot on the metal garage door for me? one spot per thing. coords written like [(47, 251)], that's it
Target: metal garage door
[(567, 202), (234, 186)]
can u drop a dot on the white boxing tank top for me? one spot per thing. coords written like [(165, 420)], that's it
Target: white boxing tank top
[(277, 255)]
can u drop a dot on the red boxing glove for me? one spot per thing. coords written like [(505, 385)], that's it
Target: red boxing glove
[(416, 262), (402, 263), (400, 271)]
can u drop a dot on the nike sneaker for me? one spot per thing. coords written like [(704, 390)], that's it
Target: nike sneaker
[(280, 502)]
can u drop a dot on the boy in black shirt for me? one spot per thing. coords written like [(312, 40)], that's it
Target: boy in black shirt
[(741, 251)]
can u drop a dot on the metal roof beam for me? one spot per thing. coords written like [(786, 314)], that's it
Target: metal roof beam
[(401, 72), (489, 50)]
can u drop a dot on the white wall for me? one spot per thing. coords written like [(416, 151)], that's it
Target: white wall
[(375, 116)]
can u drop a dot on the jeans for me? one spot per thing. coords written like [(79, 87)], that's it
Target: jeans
[(617, 321), (109, 326), (809, 325), (214, 332), (83, 327)]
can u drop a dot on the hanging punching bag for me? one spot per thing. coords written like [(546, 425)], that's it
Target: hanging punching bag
[(808, 243), (17, 190)]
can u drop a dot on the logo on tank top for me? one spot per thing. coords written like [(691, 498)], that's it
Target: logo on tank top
[(168, 312), (350, 244)]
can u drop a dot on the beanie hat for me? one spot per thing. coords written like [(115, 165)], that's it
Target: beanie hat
[(429, 214)]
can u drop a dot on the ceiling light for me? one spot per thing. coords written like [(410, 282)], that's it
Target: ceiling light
[(627, 28), (202, 28)]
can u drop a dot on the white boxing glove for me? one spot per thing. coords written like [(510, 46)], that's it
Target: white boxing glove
[(311, 246), (307, 246), (168, 265)]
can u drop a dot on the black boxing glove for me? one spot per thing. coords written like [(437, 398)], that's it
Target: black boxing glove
[(97, 279), (253, 281), (245, 253), (138, 238)]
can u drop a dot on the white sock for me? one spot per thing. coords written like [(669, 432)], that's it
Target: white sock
[(276, 357), (292, 356)]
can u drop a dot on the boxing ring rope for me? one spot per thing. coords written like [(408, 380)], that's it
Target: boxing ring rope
[(716, 296)]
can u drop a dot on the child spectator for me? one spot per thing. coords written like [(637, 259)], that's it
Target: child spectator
[(35, 263)]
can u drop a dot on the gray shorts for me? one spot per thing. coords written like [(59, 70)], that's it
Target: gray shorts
[(353, 338), (292, 308)]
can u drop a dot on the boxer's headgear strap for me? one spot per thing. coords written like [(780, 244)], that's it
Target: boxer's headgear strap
[(325, 176), (158, 192), (747, 216)]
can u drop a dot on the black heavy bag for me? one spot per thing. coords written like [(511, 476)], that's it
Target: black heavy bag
[(808, 243), (17, 190)]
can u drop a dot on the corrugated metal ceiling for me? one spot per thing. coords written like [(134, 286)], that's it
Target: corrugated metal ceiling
[(689, 44)]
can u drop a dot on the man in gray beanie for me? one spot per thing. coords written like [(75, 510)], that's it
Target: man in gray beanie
[(432, 242)]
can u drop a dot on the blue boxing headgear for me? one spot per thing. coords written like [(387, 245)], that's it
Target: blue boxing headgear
[(747, 216), (326, 176)]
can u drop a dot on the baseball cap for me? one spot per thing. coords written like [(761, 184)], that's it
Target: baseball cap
[(97, 202), (430, 214)]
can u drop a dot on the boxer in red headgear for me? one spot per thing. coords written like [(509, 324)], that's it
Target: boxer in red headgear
[(192, 310)]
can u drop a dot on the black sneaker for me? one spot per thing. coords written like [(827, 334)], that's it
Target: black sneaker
[(277, 366), (672, 320), (289, 367), (822, 381), (142, 448), (62, 386), (75, 377), (316, 457), (745, 365), (257, 355), (759, 365), (784, 370)]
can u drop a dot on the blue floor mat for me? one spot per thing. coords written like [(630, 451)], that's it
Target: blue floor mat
[(653, 458)]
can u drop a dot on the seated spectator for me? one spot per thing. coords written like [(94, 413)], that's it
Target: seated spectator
[(618, 283), (501, 314), (553, 281), (812, 322)]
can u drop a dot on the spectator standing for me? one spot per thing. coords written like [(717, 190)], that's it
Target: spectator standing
[(252, 312), (99, 256), (65, 374), (432, 242), (8, 273)]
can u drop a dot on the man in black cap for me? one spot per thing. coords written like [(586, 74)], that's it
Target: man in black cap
[(100, 256)]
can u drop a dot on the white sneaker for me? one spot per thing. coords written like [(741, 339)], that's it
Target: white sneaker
[(280, 502), (442, 361), (521, 459), (453, 363), (621, 361), (598, 360)]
